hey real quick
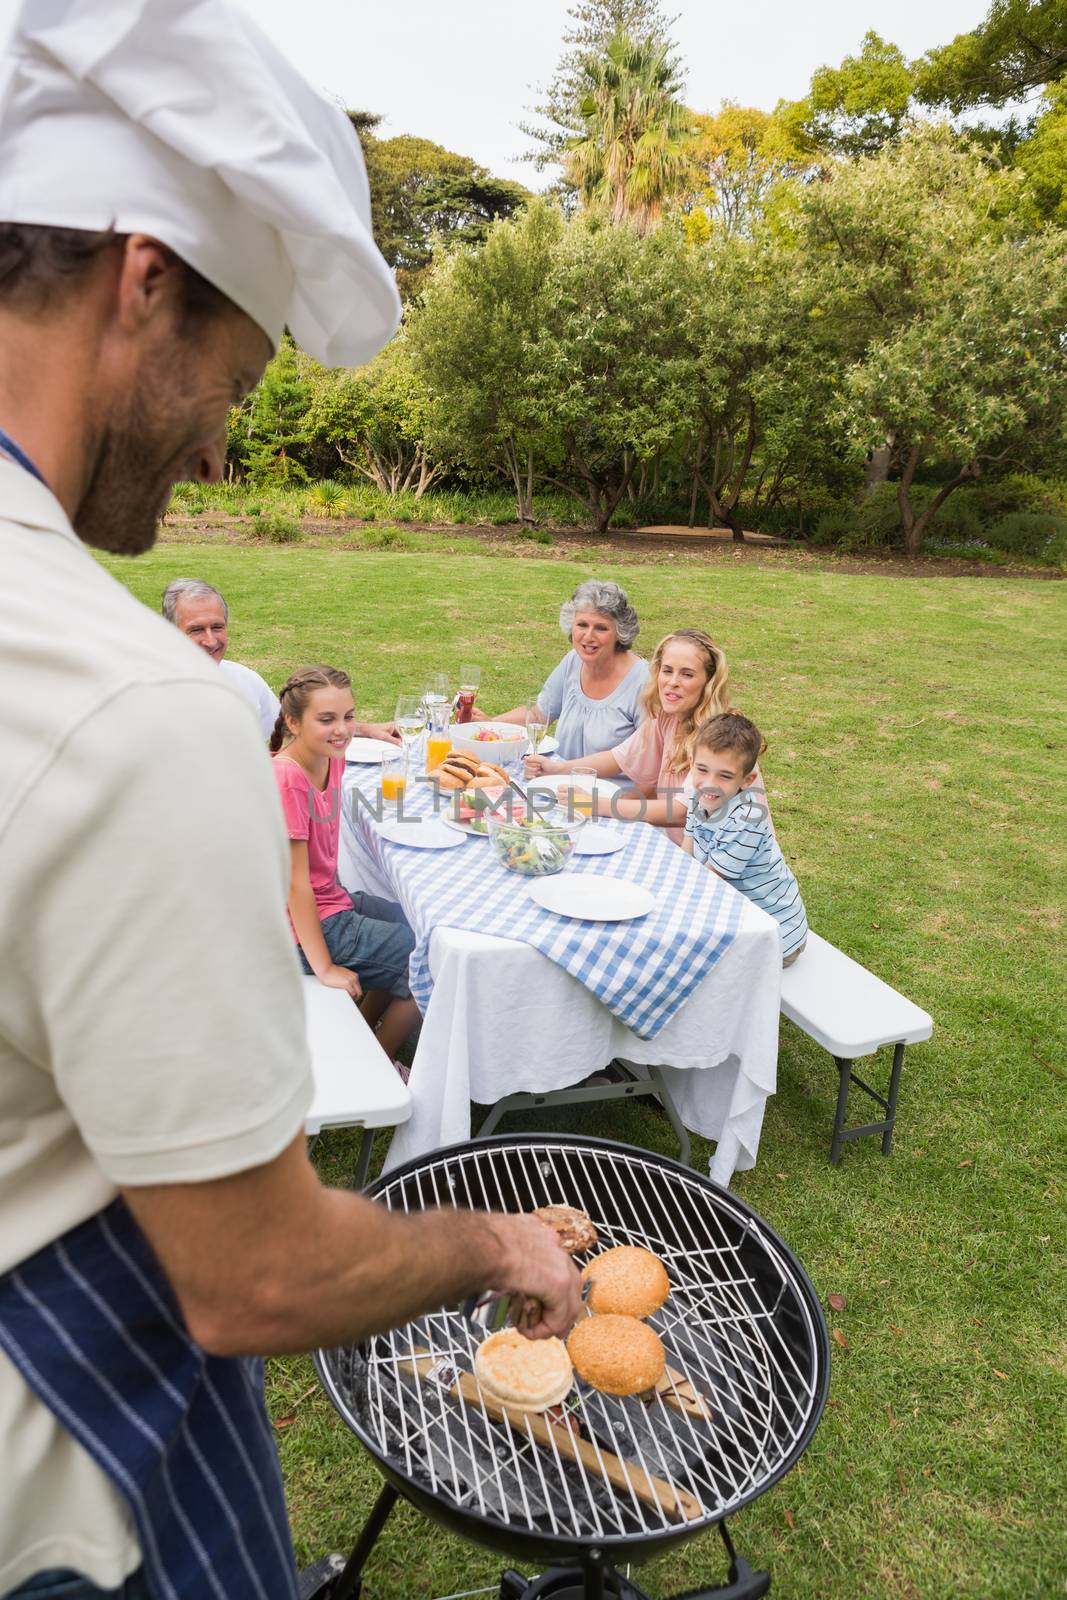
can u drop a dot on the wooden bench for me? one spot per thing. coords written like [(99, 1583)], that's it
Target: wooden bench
[(356, 1084), (851, 1013)]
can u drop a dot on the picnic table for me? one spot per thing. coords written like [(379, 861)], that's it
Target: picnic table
[(500, 1016)]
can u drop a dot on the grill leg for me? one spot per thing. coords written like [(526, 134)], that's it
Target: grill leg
[(348, 1584), (845, 1069), (366, 1145), (894, 1090)]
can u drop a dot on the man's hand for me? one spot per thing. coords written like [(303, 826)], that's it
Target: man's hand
[(336, 977), (268, 1261), (539, 1271), (386, 731)]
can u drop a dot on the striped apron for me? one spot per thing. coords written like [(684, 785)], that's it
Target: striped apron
[(93, 1327)]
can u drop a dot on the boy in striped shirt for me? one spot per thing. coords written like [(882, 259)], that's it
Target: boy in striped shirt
[(727, 828)]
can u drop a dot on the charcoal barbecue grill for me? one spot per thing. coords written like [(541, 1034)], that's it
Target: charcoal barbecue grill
[(604, 1482)]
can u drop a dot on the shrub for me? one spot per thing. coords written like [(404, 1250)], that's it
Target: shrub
[(1020, 491), (834, 525), (254, 510), (534, 535), (1039, 535), (385, 539), (278, 530), (327, 498)]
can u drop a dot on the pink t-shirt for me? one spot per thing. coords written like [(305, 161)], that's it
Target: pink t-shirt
[(316, 817), (645, 759)]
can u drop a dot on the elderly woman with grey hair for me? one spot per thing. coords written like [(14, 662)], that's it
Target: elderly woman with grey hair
[(594, 694)]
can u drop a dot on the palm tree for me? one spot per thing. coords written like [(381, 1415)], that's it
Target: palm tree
[(634, 153)]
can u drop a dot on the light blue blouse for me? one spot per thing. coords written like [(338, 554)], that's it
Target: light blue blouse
[(583, 725)]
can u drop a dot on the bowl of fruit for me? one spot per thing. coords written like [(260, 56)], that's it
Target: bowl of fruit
[(533, 846), (502, 742)]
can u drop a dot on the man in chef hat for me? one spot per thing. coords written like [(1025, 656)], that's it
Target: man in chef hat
[(172, 195)]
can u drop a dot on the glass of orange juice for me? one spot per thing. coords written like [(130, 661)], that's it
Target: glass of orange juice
[(583, 792), (394, 776)]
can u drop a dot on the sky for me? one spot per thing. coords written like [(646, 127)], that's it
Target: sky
[(461, 72)]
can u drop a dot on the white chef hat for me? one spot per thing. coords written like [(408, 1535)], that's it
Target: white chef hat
[(179, 119)]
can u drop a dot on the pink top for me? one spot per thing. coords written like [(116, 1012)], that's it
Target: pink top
[(644, 759), (316, 817)]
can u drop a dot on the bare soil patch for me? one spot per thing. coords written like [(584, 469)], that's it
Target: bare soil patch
[(691, 547)]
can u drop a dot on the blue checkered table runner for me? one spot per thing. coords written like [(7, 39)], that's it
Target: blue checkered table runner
[(643, 970)]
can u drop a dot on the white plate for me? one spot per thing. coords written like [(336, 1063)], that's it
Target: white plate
[(370, 752), (465, 828), (598, 840), (548, 746), (420, 834), (567, 780), (592, 899)]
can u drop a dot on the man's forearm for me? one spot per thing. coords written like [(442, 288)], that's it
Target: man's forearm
[(269, 1261)]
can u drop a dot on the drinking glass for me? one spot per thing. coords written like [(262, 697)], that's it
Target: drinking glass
[(582, 798), (535, 728), (436, 693), (394, 775), (410, 719), (470, 677)]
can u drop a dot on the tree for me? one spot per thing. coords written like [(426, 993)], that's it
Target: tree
[(766, 371), (977, 381), (737, 158), (593, 25), (375, 419), (475, 343), (880, 234), (632, 155), (1043, 157), (266, 434), (419, 190), (615, 377), (1021, 46), (856, 108)]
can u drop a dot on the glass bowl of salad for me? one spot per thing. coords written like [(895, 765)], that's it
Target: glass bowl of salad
[(533, 846)]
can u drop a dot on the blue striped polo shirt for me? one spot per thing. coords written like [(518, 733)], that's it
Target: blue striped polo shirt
[(739, 844)]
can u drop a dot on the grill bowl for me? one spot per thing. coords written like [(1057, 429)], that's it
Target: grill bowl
[(742, 1323)]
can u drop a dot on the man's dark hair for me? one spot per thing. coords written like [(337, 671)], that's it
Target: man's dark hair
[(40, 266), (731, 731)]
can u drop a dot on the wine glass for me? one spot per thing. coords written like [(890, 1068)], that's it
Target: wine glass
[(536, 728), (410, 719), (470, 677)]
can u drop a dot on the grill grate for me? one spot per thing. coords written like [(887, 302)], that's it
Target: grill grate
[(740, 1325)]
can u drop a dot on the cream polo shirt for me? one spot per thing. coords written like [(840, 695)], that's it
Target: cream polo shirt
[(151, 1013)]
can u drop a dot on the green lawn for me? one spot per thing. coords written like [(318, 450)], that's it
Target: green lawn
[(916, 762)]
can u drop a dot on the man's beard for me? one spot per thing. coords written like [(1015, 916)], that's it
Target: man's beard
[(137, 457)]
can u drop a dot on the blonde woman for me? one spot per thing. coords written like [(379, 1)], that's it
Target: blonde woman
[(687, 684)]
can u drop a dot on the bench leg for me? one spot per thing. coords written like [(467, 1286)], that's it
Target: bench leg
[(891, 1104), (845, 1069), (888, 1104)]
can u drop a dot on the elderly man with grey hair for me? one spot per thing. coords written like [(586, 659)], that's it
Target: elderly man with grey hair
[(200, 612), (594, 694)]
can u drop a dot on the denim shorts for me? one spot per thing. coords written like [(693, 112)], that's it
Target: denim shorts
[(374, 940)]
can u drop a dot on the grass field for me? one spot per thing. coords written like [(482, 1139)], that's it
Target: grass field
[(916, 762)]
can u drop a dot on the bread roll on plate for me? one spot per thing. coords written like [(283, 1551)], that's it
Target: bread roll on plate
[(627, 1280), (526, 1374)]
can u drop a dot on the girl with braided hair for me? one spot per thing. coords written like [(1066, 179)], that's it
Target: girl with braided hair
[(356, 942)]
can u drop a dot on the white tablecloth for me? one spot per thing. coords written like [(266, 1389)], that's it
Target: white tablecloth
[(502, 1017)]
